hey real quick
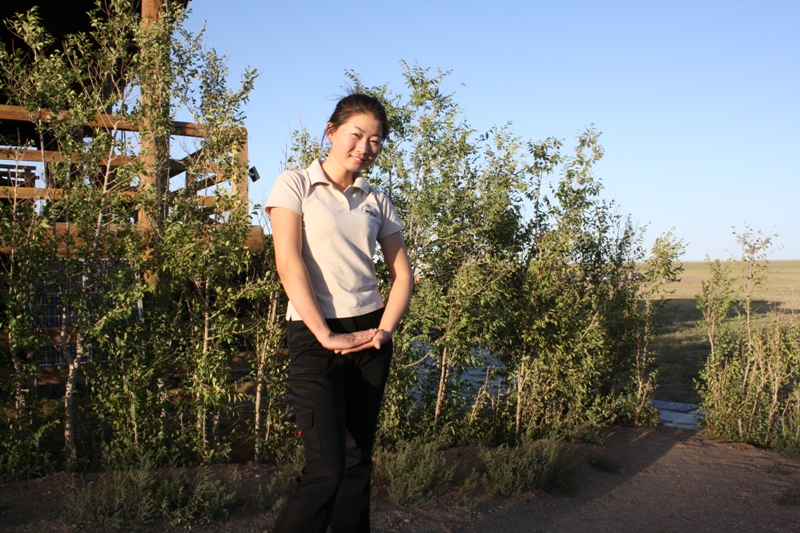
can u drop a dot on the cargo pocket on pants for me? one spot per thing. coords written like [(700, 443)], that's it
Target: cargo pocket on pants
[(309, 433)]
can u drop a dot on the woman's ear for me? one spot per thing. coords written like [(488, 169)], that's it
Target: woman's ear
[(329, 131)]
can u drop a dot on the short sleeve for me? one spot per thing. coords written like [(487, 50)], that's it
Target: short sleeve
[(288, 192), (390, 221)]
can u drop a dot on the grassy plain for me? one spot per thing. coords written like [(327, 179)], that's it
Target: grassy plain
[(681, 349), (782, 285)]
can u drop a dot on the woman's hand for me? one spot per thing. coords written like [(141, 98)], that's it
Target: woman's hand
[(379, 338), (347, 342)]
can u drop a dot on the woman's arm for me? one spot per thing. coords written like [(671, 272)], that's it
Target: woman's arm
[(394, 252), (287, 237)]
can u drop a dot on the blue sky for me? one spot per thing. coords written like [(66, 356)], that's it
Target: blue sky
[(697, 100)]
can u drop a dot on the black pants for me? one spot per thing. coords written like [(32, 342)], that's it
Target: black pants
[(336, 399)]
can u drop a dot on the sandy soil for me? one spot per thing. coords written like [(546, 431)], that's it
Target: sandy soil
[(667, 480)]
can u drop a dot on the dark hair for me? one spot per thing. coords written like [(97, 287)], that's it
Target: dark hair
[(355, 104)]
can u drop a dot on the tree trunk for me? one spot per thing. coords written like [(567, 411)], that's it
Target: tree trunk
[(73, 365), (202, 412), (263, 347), (257, 421), (443, 375), (19, 371), (163, 396), (19, 386), (521, 378)]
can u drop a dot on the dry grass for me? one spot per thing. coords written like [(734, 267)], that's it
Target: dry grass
[(682, 349), (782, 286)]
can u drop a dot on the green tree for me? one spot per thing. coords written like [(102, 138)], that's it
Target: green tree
[(659, 269), (715, 300), (749, 383), (149, 278), (517, 277), (570, 349)]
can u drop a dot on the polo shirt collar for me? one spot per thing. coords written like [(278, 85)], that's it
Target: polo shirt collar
[(317, 176), (361, 183)]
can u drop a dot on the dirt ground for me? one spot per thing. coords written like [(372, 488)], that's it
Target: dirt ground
[(664, 480)]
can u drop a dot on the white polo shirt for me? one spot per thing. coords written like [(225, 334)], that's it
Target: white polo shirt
[(340, 232)]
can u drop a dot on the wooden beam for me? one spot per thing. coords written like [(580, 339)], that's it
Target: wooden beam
[(36, 193), (35, 156), (53, 156), (239, 183), (106, 121), (205, 200), (208, 182), (30, 193), (101, 120), (13, 112), (254, 241), (177, 166)]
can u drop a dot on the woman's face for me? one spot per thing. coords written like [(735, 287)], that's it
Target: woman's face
[(356, 143)]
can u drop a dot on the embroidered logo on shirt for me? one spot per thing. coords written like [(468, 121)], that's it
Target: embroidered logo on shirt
[(368, 209)]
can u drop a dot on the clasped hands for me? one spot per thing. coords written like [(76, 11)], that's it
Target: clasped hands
[(345, 343)]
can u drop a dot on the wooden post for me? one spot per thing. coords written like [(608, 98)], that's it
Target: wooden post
[(150, 11), (239, 183), (155, 148)]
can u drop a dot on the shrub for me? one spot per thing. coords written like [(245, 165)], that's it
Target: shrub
[(750, 384), (415, 473), (140, 494), (587, 433), (468, 493), (114, 500), (271, 495), (201, 497), (541, 465), (21, 455)]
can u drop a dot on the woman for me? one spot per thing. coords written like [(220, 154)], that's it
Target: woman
[(326, 221)]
